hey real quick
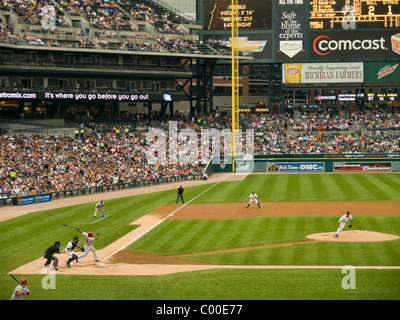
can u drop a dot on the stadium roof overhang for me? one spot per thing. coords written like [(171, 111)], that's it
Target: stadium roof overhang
[(124, 52)]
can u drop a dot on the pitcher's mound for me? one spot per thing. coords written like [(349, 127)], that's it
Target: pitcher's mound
[(353, 235)]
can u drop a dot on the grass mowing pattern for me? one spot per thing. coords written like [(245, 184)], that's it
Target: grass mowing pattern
[(24, 239), (195, 236), (308, 187), (221, 284)]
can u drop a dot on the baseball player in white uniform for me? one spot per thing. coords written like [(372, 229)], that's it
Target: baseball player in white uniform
[(99, 206), (70, 249), (342, 222), (88, 245), (253, 198)]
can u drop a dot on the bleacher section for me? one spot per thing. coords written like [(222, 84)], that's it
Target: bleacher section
[(91, 24)]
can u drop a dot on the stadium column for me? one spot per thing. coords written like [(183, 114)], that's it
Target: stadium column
[(163, 108), (116, 108), (149, 108)]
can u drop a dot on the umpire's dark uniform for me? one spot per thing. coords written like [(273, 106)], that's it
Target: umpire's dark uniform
[(49, 254), (179, 195)]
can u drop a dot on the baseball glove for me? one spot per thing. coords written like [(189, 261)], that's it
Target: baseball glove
[(350, 225), (83, 249)]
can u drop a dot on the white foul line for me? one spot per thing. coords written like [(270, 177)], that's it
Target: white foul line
[(171, 214), (99, 219)]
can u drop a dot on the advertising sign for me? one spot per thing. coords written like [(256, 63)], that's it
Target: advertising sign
[(258, 45), (123, 97), (363, 166), (33, 199), (345, 72), (382, 71), (291, 34), (327, 45), (296, 166)]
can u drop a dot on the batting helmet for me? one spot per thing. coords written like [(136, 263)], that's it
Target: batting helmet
[(24, 281), (90, 234)]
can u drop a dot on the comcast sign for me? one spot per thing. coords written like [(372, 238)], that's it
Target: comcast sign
[(324, 45), (352, 44)]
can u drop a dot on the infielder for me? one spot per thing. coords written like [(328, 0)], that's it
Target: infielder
[(342, 222), (70, 249), (88, 244), (99, 206), (21, 291), (253, 197)]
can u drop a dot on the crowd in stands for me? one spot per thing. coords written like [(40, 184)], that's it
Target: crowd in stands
[(323, 143), (104, 14), (322, 123), (7, 35), (64, 163), (110, 152), (105, 18), (382, 142)]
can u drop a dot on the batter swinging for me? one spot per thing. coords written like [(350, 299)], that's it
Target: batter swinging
[(88, 244)]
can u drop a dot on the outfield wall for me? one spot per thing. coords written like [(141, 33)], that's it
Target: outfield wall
[(313, 163)]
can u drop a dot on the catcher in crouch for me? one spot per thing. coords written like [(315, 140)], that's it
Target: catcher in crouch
[(70, 249), (342, 222), (88, 244)]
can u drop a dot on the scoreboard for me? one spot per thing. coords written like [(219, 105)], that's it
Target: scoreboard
[(354, 14), (252, 14), (308, 31), (381, 97), (358, 97)]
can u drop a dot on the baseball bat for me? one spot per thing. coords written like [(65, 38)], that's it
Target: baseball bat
[(66, 225), (12, 276)]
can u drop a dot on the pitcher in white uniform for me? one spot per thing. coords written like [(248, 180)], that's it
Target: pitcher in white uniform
[(88, 245), (342, 222)]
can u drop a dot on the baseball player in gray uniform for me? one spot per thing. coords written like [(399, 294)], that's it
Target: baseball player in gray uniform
[(342, 222), (88, 244), (99, 206), (21, 291)]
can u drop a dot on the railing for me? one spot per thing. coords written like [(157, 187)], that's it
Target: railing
[(99, 189)]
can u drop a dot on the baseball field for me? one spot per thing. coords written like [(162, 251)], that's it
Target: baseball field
[(213, 248)]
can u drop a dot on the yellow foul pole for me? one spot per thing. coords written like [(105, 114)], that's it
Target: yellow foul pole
[(235, 75)]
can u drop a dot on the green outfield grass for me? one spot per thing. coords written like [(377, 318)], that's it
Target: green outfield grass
[(176, 237), (24, 239)]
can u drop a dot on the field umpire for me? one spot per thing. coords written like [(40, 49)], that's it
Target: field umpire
[(179, 194)]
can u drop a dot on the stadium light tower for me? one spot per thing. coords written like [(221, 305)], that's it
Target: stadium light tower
[(235, 75)]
